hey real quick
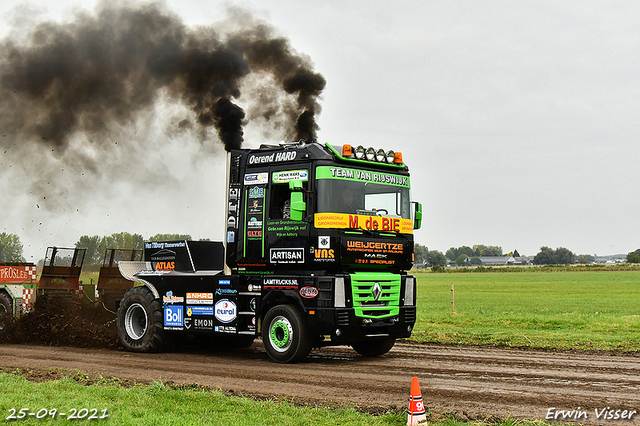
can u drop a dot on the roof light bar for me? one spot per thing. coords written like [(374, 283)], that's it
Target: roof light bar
[(371, 154)]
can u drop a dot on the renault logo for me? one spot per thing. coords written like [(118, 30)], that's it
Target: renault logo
[(376, 292)]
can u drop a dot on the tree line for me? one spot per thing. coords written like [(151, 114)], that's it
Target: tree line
[(466, 255), (11, 250), (97, 246)]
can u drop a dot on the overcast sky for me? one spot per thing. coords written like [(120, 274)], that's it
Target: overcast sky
[(519, 121)]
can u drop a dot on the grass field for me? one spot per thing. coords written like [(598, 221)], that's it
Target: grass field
[(158, 404), (563, 310)]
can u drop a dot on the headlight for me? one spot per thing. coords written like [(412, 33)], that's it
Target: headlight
[(360, 152), (380, 155), (390, 156), (371, 154)]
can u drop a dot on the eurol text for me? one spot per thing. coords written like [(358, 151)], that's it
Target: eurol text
[(604, 413)]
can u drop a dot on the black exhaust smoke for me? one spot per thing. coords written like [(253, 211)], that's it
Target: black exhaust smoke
[(101, 70)]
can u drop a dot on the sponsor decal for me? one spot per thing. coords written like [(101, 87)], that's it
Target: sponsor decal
[(280, 283), (273, 157), (253, 287), (199, 310), (287, 228), (11, 274), (187, 323), (164, 259), (284, 177), (231, 236), (254, 223), (256, 206), (173, 316), (256, 192), (374, 246), (225, 310), (203, 324), (286, 255), (373, 223), (201, 296), (163, 255), (374, 252), (254, 233), (169, 298), (156, 245), (328, 172), (224, 282), (324, 242), (222, 291), (252, 306), (256, 178), (308, 292), (224, 329), (324, 255), (165, 266)]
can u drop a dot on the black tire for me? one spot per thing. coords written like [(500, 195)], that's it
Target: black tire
[(6, 312), (285, 335), (370, 348), (140, 322)]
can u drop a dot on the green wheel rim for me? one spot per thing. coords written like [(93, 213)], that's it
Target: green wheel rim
[(281, 333)]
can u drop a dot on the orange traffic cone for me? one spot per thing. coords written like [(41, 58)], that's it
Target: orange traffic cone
[(416, 405)]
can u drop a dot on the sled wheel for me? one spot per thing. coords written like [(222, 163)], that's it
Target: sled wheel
[(284, 334), (140, 323), (6, 312), (370, 348)]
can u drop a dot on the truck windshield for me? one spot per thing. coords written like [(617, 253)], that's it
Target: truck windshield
[(356, 192)]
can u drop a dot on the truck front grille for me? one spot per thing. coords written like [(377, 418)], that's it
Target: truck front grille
[(375, 295)]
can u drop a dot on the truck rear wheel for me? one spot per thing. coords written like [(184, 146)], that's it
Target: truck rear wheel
[(6, 312), (284, 334), (140, 322), (376, 347)]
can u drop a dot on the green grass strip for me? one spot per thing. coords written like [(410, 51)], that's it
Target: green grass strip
[(590, 310), (157, 405)]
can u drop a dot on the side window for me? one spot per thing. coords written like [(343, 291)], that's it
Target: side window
[(279, 203), (280, 198)]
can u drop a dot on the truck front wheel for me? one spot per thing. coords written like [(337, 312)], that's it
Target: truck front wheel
[(374, 347), (6, 311), (284, 334), (140, 323)]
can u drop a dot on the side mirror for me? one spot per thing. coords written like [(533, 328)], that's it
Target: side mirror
[(298, 206), (417, 215)]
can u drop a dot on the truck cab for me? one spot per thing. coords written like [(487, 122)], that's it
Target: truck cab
[(318, 242)]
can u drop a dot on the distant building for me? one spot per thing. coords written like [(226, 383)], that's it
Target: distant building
[(497, 260)]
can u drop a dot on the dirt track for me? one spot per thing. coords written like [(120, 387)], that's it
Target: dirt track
[(469, 382)]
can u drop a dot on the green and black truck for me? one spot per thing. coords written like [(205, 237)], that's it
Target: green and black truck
[(318, 243)]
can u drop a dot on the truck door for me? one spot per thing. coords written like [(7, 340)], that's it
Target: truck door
[(287, 239)]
